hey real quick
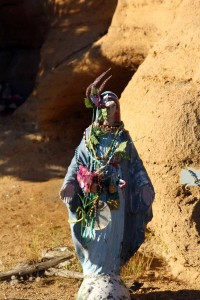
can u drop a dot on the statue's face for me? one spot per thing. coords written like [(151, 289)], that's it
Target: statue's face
[(109, 101), (111, 108)]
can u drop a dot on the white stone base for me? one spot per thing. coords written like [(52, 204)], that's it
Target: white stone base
[(103, 287)]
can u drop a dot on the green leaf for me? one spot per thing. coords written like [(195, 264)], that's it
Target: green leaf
[(121, 150), (94, 140), (102, 114), (121, 147), (88, 103), (98, 132)]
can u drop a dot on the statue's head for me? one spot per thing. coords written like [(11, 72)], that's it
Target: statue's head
[(106, 103), (111, 102)]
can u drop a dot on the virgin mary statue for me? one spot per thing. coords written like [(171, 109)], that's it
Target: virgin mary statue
[(109, 197)]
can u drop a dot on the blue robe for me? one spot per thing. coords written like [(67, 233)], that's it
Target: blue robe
[(124, 234)]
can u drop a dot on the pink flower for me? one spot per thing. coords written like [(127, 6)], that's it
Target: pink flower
[(85, 178)]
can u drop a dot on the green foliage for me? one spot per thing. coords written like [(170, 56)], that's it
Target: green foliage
[(94, 140), (121, 150), (95, 134), (88, 103), (97, 131), (102, 114), (121, 147)]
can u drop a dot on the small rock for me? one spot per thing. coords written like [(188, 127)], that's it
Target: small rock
[(37, 279), (30, 278), (14, 282)]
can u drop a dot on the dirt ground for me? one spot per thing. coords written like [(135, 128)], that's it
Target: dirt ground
[(64, 289), (32, 218)]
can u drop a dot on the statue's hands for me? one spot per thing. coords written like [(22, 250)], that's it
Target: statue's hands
[(147, 194), (67, 200), (67, 193)]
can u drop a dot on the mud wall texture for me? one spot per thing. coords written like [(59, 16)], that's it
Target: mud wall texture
[(92, 38), (161, 105), (160, 100)]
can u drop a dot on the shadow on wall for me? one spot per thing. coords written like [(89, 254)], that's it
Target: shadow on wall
[(27, 154), (166, 295), (196, 216), (24, 152), (23, 29), (24, 25), (60, 111)]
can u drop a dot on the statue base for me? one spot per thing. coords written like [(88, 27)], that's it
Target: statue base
[(96, 287)]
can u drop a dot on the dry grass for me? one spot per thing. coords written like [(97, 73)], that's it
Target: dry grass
[(74, 265), (41, 240), (32, 248), (136, 266)]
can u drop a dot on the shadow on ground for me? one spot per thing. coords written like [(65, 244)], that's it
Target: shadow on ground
[(167, 295)]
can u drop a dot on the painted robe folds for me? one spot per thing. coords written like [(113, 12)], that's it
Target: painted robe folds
[(120, 239)]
